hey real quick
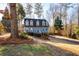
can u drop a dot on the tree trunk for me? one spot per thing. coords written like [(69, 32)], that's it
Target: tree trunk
[(70, 28), (65, 28), (14, 24), (78, 15)]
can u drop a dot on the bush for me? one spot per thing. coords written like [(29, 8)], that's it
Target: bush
[(76, 31), (50, 33), (23, 35)]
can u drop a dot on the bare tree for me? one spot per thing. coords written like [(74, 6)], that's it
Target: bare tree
[(28, 9), (38, 9), (66, 6), (78, 14)]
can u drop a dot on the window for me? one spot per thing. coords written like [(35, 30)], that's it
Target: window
[(46, 23), (31, 22), (43, 23), (27, 22), (37, 23)]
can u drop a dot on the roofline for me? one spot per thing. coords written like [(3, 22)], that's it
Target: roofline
[(36, 19)]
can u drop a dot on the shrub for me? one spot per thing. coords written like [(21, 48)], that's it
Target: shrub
[(50, 33), (77, 30), (23, 35), (1, 28)]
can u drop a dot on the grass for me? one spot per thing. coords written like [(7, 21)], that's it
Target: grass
[(24, 50)]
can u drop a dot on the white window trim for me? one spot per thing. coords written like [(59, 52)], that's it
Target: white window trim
[(43, 23), (37, 23), (27, 22), (31, 22)]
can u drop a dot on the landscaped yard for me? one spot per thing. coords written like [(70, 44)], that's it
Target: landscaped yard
[(24, 49)]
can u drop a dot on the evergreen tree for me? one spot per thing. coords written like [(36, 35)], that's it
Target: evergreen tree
[(58, 24)]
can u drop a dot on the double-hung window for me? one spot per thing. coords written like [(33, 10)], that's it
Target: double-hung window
[(37, 23), (43, 23), (27, 23), (31, 22)]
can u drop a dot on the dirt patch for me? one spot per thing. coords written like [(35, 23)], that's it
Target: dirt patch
[(4, 41)]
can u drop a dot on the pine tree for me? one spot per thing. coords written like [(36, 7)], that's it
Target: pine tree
[(58, 25), (6, 14)]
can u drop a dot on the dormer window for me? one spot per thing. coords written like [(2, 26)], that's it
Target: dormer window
[(31, 22), (37, 23), (46, 23), (27, 23), (43, 23)]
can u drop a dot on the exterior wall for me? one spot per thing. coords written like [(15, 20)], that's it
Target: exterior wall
[(37, 30)]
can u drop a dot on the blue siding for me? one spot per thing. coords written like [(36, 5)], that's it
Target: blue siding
[(38, 30)]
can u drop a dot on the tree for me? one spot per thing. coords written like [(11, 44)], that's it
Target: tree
[(58, 24), (29, 9), (38, 9), (54, 10), (7, 24), (20, 15), (6, 20), (14, 24), (71, 19), (6, 14), (20, 10), (65, 6), (78, 14)]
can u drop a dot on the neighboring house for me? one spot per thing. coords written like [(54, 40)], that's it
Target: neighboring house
[(37, 26)]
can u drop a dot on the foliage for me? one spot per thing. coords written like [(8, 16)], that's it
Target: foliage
[(7, 24), (77, 30), (20, 10), (23, 35), (7, 14), (1, 28), (58, 24), (38, 9)]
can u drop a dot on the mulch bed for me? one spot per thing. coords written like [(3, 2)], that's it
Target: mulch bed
[(15, 41)]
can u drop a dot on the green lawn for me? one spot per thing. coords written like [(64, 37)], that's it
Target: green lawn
[(24, 50)]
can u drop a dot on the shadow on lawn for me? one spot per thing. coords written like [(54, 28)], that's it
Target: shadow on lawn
[(33, 50)]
